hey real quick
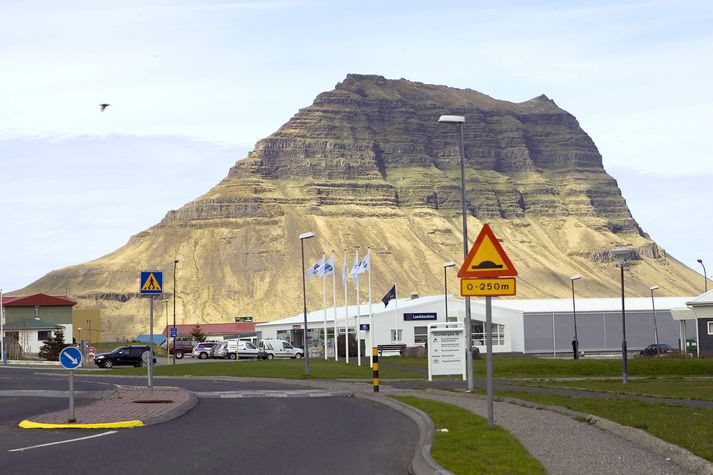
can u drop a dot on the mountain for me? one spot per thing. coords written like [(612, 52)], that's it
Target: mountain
[(368, 164)]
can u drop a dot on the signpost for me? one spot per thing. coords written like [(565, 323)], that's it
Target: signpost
[(482, 276), (150, 283), (71, 358), (446, 349)]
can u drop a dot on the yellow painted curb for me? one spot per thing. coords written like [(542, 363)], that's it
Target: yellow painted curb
[(100, 425)]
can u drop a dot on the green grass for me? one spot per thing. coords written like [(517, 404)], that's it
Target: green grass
[(469, 446), (278, 368), (687, 427), (668, 387)]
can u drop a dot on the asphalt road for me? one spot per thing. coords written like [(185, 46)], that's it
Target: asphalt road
[(252, 435)]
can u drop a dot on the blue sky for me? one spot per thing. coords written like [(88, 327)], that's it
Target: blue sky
[(194, 84)]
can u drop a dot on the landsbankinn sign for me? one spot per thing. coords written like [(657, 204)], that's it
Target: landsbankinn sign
[(417, 317)]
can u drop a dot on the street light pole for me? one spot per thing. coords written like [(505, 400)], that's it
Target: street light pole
[(621, 253), (705, 276), (653, 306), (446, 265), (460, 120), (575, 347), (168, 332), (175, 263), (304, 236)]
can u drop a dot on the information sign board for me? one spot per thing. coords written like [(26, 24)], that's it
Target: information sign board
[(446, 349)]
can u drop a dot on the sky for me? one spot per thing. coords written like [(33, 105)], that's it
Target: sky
[(194, 84)]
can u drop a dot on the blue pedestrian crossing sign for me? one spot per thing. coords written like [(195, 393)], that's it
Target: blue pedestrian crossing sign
[(70, 357), (151, 283)]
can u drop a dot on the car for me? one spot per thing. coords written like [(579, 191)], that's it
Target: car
[(181, 346), (122, 355), (204, 350), (227, 349), (269, 349), (656, 349)]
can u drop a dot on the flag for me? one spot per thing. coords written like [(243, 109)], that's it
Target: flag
[(390, 295), (365, 265), (328, 268), (316, 269), (354, 274)]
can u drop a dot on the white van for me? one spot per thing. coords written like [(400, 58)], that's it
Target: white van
[(270, 349), (234, 348)]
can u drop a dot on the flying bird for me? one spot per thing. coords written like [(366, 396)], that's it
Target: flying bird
[(104, 106)]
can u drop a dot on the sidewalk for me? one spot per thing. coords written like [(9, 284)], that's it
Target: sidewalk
[(124, 407)]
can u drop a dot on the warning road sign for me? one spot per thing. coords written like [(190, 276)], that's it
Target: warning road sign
[(487, 287), (487, 258), (151, 283)]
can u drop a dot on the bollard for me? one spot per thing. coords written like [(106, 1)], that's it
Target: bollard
[(375, 355)]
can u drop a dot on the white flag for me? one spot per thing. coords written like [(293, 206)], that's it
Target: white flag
[(316, 269), (328, 268), (354, 274), (365, 265)]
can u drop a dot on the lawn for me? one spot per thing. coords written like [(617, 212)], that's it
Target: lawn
[(687, 427), (469, 446)]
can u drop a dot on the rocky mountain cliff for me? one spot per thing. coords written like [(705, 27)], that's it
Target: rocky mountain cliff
[(368, 164)]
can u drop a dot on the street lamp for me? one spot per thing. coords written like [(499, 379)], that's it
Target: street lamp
[(304, 236), (621, 253), (175, 263), (446, 265), (575, 345), (653, 306), (459, 121), (705, 277), (165, 311), (80, 333)]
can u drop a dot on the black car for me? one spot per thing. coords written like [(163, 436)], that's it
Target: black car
[(654, 349), (123, 355)]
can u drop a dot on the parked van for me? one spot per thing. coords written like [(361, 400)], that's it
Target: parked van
[(270, 349), (234, 348)]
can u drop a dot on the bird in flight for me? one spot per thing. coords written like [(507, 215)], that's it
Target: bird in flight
[(104, 106)]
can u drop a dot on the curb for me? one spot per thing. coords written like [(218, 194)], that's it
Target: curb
[(103, 425), (174, 413), (422, 463), (681, 456), (56, 393)]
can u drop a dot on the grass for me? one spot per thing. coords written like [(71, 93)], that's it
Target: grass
[(687, 427), (668, 387), (469, 446)]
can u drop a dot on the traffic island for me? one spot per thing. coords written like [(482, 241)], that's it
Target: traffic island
[(126, 407)]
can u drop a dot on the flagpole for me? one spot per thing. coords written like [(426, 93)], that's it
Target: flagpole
[(371, 316), (357, 317), (334, 296), (324, 303), (346, 309), (396, 316)]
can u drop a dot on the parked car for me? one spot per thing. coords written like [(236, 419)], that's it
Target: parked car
[(204, 350), (183, 346), (123, 355), (227, 349), (654, 349), (269, 349)]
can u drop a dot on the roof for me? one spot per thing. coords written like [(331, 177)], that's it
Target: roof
[(32, 324), (41, 300), (703, 300), (209, 329), (158, 339), (591, 305)]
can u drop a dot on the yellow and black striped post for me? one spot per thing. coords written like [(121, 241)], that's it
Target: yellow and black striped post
[(375, 354)]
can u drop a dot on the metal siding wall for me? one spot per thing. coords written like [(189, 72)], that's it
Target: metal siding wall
[(538, 332)]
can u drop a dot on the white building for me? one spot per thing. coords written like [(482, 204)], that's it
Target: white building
[(519, 326)]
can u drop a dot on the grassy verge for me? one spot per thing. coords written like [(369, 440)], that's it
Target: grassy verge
[(687, 427), (469, 446), (677, 388)]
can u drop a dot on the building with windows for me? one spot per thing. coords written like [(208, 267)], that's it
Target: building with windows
[(519, 326), (29, 319)]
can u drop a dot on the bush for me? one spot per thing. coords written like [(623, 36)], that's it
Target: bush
[(52, 347)]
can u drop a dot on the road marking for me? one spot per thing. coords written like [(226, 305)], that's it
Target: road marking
[(63, 441)]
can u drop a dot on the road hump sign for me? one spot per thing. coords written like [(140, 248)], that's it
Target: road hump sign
[(151, 282), (487, 258)]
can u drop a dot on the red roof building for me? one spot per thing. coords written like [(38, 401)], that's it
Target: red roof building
[(216, 329), (37, 300)]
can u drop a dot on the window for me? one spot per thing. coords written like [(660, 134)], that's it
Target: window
[(420, 334), (397, 335), (43, 335), (710, 328), (478, 331)]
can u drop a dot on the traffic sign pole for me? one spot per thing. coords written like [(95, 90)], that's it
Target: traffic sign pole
[(71, 397), (489, 359), (150, 362), (71, 358)]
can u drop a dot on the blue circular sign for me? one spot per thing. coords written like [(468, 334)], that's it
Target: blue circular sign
[(70, 357)]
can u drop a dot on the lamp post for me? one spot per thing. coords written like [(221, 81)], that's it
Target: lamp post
[(89, 322), (80, 333), (168, 332), (705, 276), (459, 121), (653, 306), (175, 263), (621, 253), (575, 346), (304, 236), (446, 265)]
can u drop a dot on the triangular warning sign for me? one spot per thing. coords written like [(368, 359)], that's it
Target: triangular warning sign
[(487, 258), (151, 284)]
